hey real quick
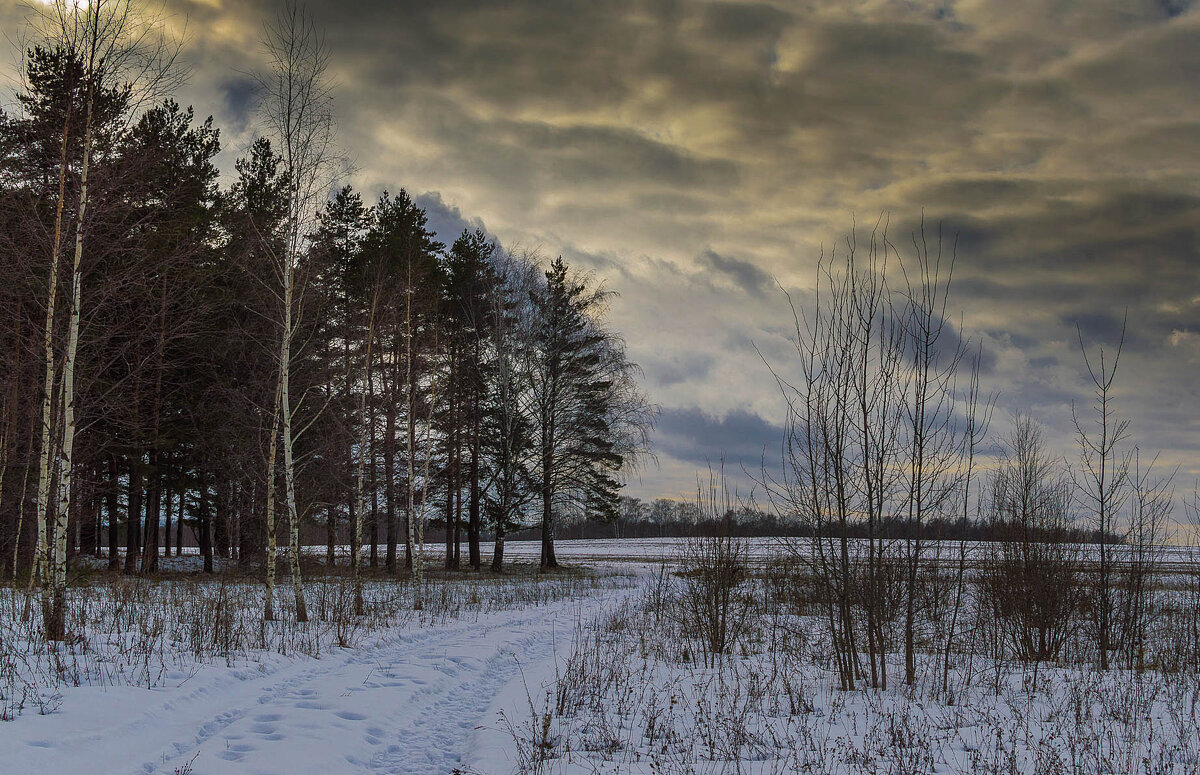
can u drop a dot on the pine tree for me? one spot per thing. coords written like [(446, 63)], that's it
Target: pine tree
[(403, 254), (336, 316), (470, 282), (591, 418)]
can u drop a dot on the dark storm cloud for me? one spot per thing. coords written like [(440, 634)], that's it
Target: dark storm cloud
[(241, 100), (446, 220), (742, 439), (691, 152), (742, 21), (743, 274)]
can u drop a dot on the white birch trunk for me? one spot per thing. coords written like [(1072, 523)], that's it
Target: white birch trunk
[(55, 620), (37, 573), (297, 107), (360, 495), (416, 535), (269, 561), (289, 471)]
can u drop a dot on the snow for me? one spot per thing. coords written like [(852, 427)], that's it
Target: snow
[(592, 678), (761, 549), (406, 700), (632, 696)]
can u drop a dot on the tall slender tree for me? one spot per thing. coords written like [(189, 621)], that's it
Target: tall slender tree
[(297, 110), (1103, 479)]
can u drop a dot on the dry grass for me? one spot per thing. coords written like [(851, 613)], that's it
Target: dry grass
[(148, 631)]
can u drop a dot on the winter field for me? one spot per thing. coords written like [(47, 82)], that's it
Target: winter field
[(633, 661), (184, 676)]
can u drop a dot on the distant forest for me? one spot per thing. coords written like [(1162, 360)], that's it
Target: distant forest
[(665, 518)]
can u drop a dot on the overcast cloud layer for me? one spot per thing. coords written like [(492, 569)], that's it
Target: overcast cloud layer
[(698, 155)]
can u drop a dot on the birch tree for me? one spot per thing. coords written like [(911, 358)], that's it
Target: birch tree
[(118, 48), (298, 112)]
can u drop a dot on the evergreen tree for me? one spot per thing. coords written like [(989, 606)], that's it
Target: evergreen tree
[(590, 415), (470, 282), (335, 319), (404, 252)]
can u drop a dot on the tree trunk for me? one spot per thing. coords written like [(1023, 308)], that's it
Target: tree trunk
[(133, 514), (359, 503), (42, 513), (153, 510), (269, 559), (374, 521), (389, 476), (374, 512), (474, 557), (205, 523), (498, 551), (167, 515), (416, 530), (548, 558), (289, 467), (110, 506), (220, 524), (451, 445), (179, 522), (457, 479), (330, 534), (547, 461)]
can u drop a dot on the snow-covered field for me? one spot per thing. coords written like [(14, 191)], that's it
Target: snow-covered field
[(761, 550), (576, 673), (636, 696), (404, 695), (765, 549)]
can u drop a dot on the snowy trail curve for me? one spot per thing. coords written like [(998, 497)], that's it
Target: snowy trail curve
[(404, 704)]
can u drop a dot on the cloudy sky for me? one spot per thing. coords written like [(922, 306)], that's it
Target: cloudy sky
[(697, 155)]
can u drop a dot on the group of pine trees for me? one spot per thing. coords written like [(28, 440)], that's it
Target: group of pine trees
[(180, 355)]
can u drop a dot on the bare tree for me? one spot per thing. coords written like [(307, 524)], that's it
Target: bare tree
[(297, 108), (871, 441), (822, 468), (932, 440), (714, 568), (1151, 502), (1103, 478), (978, 419), (875, 343), (117, 47), (1031, 579)]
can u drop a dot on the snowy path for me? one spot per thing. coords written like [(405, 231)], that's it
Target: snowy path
[(405, 704)]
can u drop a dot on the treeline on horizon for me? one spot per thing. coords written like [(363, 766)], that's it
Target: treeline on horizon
[(666, 518), (243, 359)]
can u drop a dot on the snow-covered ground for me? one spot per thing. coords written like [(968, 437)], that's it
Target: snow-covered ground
[(765, 548), (562, 674), (761, 549), (406, 698), (635, 696)]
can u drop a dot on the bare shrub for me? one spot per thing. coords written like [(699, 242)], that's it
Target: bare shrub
[(712, 606), (1032, 578)]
